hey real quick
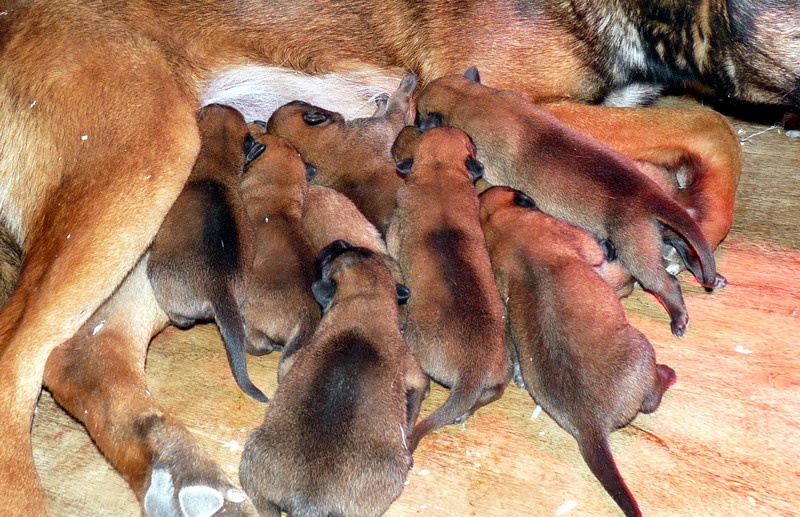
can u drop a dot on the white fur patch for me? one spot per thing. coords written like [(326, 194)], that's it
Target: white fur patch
[(200, 501), (257, 91), (158, 499), (632, 95)]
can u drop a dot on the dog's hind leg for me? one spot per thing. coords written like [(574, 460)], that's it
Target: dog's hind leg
[(99, 377)]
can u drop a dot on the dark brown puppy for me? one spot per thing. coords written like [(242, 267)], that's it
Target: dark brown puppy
[(278, 307), (577, 179), (454, 321), (334, 438), (576, 354), (201, 254), (351, 156)]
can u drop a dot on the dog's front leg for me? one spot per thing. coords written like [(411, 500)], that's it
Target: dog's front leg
[(99, 377)]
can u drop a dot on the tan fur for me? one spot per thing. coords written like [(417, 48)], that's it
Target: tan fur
[(454, 317), (351, 156), (334, 438), (575, 352), (98, 109), (575, 178), (278, 307)]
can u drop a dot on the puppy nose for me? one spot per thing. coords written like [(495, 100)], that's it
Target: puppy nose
[(314, 117), (311, 171)]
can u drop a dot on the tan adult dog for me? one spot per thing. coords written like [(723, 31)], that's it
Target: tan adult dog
[(351, 156), (84, 194), (577, 179), (576, 353), (454, 320), (334, 438), (278, 307), (201, 257)]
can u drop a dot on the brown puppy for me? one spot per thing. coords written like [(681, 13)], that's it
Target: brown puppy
[(334, 437), (201, 255), (576, 354), (351, 156), (454, 321), (278, 307), (577, 179)]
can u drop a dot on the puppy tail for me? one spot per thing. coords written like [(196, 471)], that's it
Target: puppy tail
[(597, 455), (700, 258), (231, 326)]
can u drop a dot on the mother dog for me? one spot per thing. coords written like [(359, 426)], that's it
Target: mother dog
[(98, 104)]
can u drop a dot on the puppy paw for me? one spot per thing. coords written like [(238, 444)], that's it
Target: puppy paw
[(679, 324)]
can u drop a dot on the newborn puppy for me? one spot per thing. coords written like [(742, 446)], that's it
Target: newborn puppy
[(577, 179), (202, 253), (576, 354), (454, 321), (278, 307), (334, 438), (351, 156)]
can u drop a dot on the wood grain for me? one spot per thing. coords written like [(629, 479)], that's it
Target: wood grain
[(725, 442)]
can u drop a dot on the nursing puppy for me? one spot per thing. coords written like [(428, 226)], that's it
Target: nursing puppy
[(334, 437), (351, 156), (576, 179), (576, 354), (201, 255), (278, 307), (454, 321)]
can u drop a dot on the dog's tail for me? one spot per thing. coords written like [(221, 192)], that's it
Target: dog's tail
[(231, 326), (462, 402), (597, 455), (689, 242)]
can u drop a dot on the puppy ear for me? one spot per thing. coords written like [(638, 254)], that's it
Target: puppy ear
[(260, 123), (311, 172), (404, 166), (315, 117), (524, 200), (473, 75), (403, 294), (324, 291), (609, 249), (252, 150), (431, 121), (475, 168)]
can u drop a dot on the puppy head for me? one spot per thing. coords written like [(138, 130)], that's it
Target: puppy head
[(443, 96), (345, 271), (278, 175), (299, 121), (500, 201), (226, 141), (444, 146)]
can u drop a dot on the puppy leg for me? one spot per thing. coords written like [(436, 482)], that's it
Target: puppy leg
[(98, 376), (639, 247)]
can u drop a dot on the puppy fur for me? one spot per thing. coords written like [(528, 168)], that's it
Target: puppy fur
[(577, 179), (334, 438), (454, 321), (278, 307), (352, 156), (202, 253), (576, 354)]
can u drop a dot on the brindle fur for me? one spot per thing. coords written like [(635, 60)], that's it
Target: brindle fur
[(577, 355), (454, 318), (351, 156), (202, 254), (334, 437), (575, 178)]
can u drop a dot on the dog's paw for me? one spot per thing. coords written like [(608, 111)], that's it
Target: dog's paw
[(164, 499)]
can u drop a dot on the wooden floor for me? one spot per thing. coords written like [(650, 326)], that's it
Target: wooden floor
[(725, 442)]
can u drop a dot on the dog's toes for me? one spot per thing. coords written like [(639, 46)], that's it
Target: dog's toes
[(198, 500)]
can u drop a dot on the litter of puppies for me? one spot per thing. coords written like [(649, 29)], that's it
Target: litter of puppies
[(501, 284)]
